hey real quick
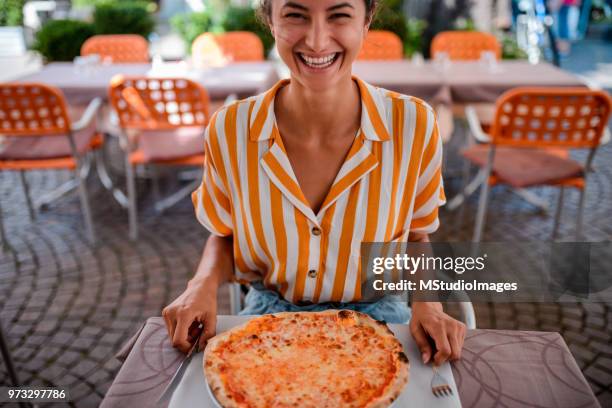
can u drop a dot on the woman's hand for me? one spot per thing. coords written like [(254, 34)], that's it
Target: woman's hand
[(197, 304), (429, 324)]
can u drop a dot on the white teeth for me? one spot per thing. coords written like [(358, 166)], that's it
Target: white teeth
[(321, 62)]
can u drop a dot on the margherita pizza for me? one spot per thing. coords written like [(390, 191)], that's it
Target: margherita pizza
[(323, 359)]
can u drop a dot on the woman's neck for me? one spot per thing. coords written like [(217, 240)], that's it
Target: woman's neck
[(315, 116)]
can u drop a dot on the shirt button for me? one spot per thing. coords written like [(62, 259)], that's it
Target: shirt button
[(312, 273), (316, 231)]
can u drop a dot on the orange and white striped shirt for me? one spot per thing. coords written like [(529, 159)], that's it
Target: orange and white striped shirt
[(390, 184)]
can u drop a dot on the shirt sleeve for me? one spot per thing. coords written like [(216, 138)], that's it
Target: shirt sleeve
[(430, 187), (211, 200)]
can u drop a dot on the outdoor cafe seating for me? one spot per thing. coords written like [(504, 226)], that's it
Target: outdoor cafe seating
[(45, 134), (122, 125), (527, 144), (162, 121)]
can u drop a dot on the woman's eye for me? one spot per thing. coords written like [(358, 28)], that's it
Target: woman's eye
[(295, 16), (337, 16)]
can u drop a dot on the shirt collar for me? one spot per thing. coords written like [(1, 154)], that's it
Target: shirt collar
[(374, 116)]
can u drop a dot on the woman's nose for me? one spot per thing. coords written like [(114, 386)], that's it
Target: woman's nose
[(318, 35)]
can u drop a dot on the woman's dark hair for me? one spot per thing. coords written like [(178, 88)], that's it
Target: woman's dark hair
[(264, 11)]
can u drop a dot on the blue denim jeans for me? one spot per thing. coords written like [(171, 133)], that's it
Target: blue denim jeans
[(261, 300)]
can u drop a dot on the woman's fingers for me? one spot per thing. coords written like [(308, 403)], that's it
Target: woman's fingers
[(420, 338), (458, 339), (180, 339), (455, 343), (438, 333), (170, 321), (209, 329)]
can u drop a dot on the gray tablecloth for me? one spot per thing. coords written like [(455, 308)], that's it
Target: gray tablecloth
[(498, 369), (81, 85)]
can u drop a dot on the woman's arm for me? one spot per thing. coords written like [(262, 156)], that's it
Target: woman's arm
[(198, 303), (429, 321)]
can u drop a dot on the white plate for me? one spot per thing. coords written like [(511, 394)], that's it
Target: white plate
[(193, 390)]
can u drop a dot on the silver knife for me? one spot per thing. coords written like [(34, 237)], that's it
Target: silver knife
[(164, 399)]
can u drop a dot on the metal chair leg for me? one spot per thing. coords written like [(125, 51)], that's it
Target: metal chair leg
[(154, 182), (464, 182), (532, 199), (89, 229), (484, 197), (91, 236), (131, 187), (580, 216), (26, 191), (481, 215), (468, 314), (558, 214), (45, 199), (106, 180), (3, 233), (8, 361), (171, 200), (235, 303)]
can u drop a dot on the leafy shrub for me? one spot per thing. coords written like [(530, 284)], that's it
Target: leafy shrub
[(61, 40), (190, 25), (510, 48), (389, 19), (11, 13), (245, 19), (414, 36), (129, 17)]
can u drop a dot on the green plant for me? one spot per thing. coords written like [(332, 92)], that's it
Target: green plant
[(11, 13), (510, 48), (388, 18), (414, 36), (129, 17), (61, 40), (190, 25), (245, 19)]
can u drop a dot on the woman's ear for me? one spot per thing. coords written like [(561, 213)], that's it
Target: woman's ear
[(368, 22), (270, 26)]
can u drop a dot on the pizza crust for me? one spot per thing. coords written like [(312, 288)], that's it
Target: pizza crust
[(213, 367)]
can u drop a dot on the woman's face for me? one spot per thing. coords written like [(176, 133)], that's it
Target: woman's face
[(318, 39)]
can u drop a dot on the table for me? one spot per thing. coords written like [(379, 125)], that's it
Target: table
[(80, 86), (498, 368), (461, 81)]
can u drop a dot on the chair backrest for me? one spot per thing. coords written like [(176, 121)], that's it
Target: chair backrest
[(381, 45), (238, 46), (32, 109), (158, 103), (465, 45), (120, 48), (550, 117)]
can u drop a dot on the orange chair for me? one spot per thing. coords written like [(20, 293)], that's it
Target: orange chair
[(163, 122), (238, 46), (464, 45), (381, 45), (120, 48), (41, 135), (527, 124)]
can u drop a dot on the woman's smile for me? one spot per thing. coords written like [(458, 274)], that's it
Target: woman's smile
[(320, 62)]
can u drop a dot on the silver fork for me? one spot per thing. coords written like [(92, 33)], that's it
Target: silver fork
[(439, 385)]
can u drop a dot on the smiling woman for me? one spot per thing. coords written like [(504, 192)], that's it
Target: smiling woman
[(296, 178)]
